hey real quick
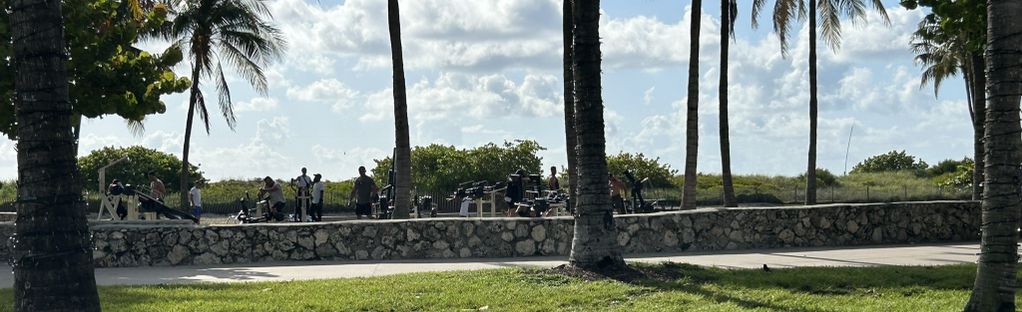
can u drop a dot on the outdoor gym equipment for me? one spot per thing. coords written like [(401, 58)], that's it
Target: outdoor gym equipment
[(262, 212), (480, 192), (124, 202), (639, 204)]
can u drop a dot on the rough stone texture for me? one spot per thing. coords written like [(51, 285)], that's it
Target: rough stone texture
[(708, 229)]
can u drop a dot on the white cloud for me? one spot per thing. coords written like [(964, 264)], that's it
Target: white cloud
[(455, 95), (257, 104), (647, 97), (332, 91), (164, 141), (648, 43)]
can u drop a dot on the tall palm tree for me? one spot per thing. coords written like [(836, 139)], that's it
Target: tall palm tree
[(403, 155), (52, 255), (728, 12), (569, 102), (786, 12), (948, 48), (688, 198), (594, 246), (995, 286), (236, 31)]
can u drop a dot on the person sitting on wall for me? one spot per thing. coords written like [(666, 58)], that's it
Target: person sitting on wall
[(276, 197)]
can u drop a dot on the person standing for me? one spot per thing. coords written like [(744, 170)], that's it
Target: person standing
[(552, 183), (316, 210), (195, 200), (363, 193), (157, 189), (617, 191), (302, 196)]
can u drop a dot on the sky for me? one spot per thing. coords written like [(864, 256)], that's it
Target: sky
[(490, 71)]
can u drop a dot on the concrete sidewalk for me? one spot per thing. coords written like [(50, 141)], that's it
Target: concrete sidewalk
[(926, 255)]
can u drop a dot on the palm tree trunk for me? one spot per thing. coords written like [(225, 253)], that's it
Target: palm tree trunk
[(692, 114), (811, 168), (979, 112), (571, 141), (725, 140), (594, 246), (402, 158), (52, 252), (192, 101), (994, 289)]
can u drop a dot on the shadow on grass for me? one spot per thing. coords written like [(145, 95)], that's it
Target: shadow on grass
[(816, 280), (821, 281)]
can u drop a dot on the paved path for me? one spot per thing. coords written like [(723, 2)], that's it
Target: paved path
[(775, 258)]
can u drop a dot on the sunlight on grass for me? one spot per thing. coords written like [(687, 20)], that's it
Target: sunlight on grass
[(689, 288)]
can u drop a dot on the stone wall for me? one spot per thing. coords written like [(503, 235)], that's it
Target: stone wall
[(693, 230)]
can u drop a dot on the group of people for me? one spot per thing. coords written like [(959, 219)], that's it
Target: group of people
[(309, 193)]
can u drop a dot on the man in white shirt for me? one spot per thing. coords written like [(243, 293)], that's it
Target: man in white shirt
[(195, 200), (318, 187), (303, 182)]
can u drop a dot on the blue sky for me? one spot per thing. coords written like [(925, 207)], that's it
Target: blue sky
[(489, 71)]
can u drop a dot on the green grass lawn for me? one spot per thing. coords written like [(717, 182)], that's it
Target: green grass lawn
[(679, 288)]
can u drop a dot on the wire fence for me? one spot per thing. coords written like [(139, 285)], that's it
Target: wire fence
[(664, 198)]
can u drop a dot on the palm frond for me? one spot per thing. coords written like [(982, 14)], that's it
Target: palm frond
[(733, 14), (757, 6), (830, 23), (136, 127), (200, 105), (246, 67), (226, 106), (785, 11)]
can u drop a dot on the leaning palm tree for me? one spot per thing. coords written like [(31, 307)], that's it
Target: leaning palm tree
[(594, 245), (831, 11), (52, 256), (688, 196), (995, 286), (728, 12), (403, 155), (947, 53), (236, 31), (567, 29)]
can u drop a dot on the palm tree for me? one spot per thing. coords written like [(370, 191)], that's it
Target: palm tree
[(52, 256), (994, 289), (947, 46), (688, 198), (728, 12), (594, 246), (569, 101), (236, 31), (831, 11), (403, 155)]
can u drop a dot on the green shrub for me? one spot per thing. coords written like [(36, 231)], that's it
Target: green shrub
[(891, 161)]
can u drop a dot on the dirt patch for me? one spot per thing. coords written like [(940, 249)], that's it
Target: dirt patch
[(627, 274)]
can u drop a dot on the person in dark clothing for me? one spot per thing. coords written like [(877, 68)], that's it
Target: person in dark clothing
[(363, 193)]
